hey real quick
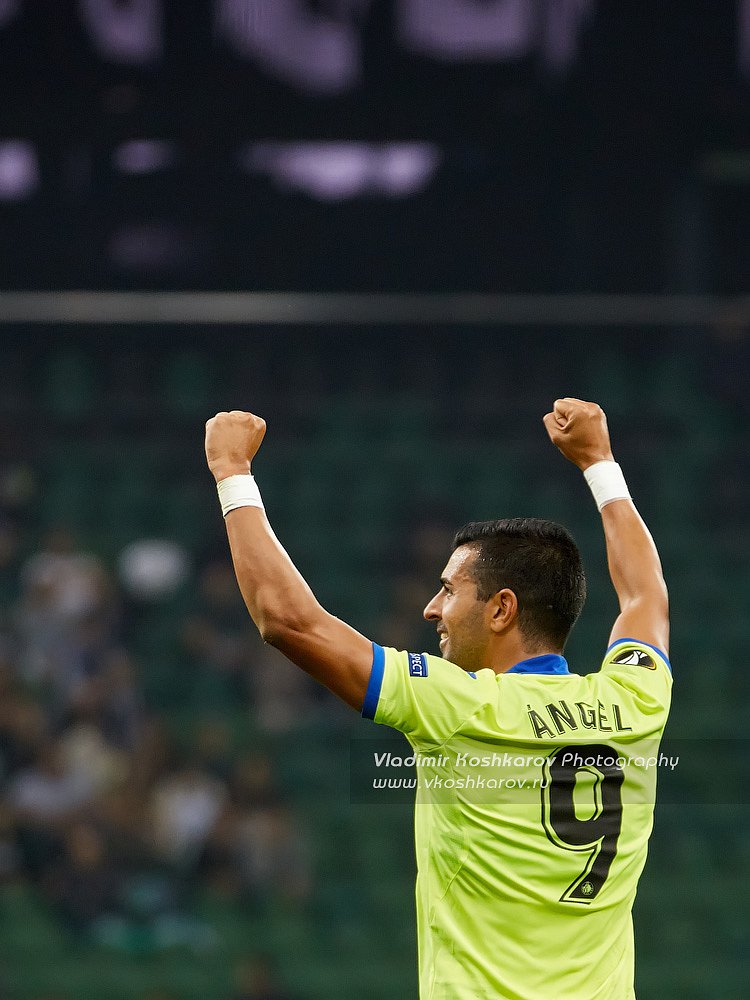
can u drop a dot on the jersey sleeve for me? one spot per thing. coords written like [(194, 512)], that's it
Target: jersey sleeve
[(424, 696), (642, 669)]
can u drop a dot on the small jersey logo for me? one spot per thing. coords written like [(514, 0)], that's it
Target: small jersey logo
[(636, 658), (417, 664), (587, 888)]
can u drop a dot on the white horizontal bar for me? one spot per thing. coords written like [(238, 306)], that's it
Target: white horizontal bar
[(248, 308)]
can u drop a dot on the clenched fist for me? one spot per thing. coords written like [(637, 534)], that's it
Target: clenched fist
[(579, 430), (232, 441)]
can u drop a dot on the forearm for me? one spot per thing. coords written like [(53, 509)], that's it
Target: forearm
[(634, 564), (274, 591)]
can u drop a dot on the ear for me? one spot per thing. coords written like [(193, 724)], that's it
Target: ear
[(502, 608)]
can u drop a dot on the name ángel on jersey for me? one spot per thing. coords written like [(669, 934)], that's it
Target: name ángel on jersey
[(558, 718)]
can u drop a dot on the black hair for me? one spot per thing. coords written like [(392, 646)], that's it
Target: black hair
[(539, 561)]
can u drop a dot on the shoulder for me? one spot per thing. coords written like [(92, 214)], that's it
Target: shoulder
[(426, 672), (421, 693), (628, 653), (641, 670)]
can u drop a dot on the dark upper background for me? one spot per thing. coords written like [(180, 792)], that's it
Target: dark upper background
[(581, 146)]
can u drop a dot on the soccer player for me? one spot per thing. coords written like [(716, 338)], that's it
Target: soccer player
[(536, 792)]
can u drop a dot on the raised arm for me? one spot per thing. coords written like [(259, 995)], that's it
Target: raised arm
[(579, 430), (279, 601)]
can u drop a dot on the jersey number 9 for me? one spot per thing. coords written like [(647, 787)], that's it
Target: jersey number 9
[(593, 767)]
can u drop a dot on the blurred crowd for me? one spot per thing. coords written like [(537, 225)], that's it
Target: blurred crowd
[(255, 978), (117, 819)]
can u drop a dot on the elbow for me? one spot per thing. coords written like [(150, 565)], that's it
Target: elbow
[(274, 637), (650, 589), (654, 597), (280, 632), (272, 631), (280, 617), (660, 594), (660, 600)]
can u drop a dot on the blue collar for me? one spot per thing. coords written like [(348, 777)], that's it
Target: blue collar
[(550, 663)]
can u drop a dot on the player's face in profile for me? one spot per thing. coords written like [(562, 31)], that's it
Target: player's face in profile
[(459, 615)]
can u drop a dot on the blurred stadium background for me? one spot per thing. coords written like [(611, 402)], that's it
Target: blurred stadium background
[(545, 199)]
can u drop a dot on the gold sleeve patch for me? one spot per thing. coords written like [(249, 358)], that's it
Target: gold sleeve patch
[(635, 657)]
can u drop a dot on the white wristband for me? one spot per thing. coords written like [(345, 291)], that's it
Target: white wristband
[(238, 491), (607, 483)]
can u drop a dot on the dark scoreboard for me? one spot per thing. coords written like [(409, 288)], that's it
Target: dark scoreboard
[(405, 145), (361, 68)]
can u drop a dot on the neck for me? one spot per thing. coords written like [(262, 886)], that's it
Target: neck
[(511, 650)]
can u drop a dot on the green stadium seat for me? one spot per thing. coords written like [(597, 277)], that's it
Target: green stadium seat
[(189, 390), (69, 390)]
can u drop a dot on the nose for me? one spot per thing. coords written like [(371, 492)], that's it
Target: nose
[(432, 612)]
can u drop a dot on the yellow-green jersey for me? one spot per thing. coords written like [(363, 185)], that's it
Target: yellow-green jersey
[(534, 806)]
